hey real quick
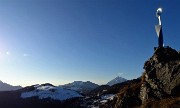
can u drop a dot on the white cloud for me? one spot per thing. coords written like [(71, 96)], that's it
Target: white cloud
[(25, 55), (119, 74)]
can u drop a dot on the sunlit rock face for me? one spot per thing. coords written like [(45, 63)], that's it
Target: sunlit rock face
[(162, 74)]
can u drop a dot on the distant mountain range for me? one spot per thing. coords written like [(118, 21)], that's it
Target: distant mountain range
[(116, 80), (40, 96), (8, 87), (76, 94), (80, 86), (86, 87)]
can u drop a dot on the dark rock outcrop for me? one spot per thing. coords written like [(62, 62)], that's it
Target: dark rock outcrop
[(99, 90), (127, 95), (162, 75)]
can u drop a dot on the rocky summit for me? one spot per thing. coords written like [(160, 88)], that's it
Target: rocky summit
[(161, 78)]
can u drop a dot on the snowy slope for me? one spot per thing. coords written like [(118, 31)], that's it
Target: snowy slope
[(95, 102), (118, 79), (105, 98), (8, 87), (52, 92)]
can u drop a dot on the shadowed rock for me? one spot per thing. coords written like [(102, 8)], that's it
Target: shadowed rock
[(162, 74)]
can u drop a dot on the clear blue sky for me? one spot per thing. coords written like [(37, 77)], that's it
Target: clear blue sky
[(60, 41)]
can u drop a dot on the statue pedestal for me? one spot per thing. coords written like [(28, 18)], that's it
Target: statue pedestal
[(160, 46)]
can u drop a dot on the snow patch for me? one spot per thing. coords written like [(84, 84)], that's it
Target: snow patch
[(108, 96), (105, 98), (55, 93)]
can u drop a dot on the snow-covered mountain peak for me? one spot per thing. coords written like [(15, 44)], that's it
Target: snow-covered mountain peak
[(80, 86), (75, 83), (116, 80)]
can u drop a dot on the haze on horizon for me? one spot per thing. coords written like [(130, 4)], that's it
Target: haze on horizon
[(61, 41)]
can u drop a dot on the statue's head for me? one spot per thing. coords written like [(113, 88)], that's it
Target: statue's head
[(159, 12)]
